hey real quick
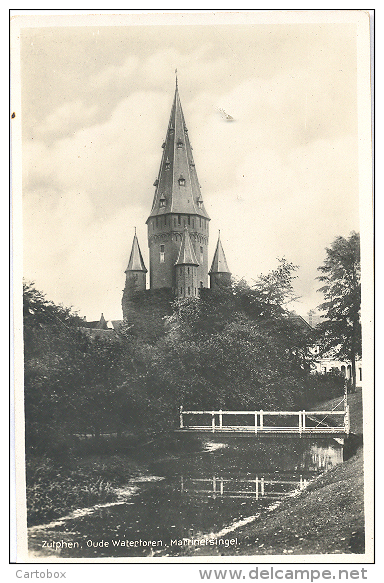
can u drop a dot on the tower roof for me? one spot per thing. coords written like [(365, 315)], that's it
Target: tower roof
[(219, 262), (136, 262), (177, 185), (186, 253)]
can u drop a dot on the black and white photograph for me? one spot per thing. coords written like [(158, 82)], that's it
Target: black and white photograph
[(193, 286)]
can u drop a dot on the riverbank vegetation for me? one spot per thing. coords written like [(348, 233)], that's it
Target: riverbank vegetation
[(238, 347)]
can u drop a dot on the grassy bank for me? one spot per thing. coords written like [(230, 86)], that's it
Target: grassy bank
[(327, 518), (55, 490)]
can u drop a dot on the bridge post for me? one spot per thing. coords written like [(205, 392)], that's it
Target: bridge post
[(257, 487), (255, 421), (213, 422), (347, 426), (221, 419), (303, 412), (300, 424), (261, 420), (181, 417)]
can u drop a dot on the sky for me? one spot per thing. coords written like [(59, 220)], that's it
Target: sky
[(280, 180)]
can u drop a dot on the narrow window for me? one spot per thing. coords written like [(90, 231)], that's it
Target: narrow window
[(201, 284), (174, 222), (181, 291), (157, 222), (193, 223), (179, 219), (200, 222), (201, 254), (188, 270), (189, 219), (162, 254), (360, 374), (189, 291)]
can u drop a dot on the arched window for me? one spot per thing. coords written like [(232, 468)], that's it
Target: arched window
[(162, 253)]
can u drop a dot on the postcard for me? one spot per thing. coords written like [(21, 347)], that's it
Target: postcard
[(193, 289)]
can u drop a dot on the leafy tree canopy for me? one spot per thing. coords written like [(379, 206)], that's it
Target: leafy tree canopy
[(341, 277)]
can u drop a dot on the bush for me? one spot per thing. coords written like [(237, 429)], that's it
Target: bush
[(322, 387)]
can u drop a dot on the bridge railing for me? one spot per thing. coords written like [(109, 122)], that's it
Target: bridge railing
[(264, 421)]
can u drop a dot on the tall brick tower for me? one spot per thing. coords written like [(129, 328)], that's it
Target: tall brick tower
[(178, 233), (177, 206)]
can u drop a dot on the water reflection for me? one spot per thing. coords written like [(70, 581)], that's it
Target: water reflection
[(211, 490), (260, 487)]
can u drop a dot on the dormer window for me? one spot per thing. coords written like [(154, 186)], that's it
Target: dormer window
[(182, 181), (167, 165), (199, 203), (156, 182), (180, 144), (162, 201), (163, 145)]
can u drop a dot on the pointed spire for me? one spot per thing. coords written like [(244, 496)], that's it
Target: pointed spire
[(186, 253), (102, 324), (136, 262), (219, 262), (181, 196)]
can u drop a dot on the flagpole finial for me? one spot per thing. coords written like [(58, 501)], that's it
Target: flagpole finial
[(135, 231), (176, 77)]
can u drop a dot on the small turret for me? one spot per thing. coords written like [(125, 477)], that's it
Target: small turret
[(219, 273), (136, 276), (186, 269)]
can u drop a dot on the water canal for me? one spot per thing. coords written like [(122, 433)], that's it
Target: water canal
[(190, 499)]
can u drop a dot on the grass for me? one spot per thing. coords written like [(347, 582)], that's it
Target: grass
[(54, 490)]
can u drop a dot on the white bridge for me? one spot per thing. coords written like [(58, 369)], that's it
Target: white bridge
[(302, 423)]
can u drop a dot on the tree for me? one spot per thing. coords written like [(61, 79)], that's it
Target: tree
[(340, 274), (238, 346)]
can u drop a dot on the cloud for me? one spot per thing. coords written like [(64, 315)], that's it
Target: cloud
[(281, 179), (74, 258)]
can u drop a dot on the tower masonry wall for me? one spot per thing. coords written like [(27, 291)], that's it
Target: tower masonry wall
[(165, 233), (187, 282), (135, 282)]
